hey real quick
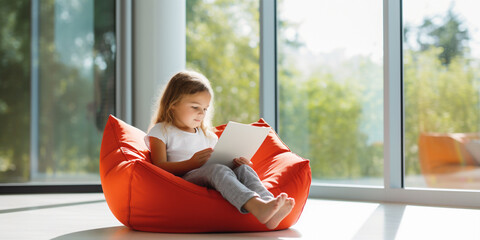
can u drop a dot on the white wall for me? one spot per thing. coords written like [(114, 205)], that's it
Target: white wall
[(158, 52)]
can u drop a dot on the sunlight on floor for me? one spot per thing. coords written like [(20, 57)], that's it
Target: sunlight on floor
[(333, 219), (439, 223)]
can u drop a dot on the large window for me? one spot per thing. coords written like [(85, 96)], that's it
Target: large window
[(382, 117), (56, 89), (223, 43), (330, 77), (442, 94)]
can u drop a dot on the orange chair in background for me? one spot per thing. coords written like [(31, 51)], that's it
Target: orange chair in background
[(446, 163)]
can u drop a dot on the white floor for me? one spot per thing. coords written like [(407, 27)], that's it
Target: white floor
[(86, 216)]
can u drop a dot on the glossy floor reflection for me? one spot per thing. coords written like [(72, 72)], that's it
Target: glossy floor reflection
[(86, 216)]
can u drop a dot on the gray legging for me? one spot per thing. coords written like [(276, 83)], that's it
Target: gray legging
[(237, 186)]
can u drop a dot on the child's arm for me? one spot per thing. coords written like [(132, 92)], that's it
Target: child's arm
[(159, 158)]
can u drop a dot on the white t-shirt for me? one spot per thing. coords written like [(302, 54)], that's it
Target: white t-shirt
[(181, 145)]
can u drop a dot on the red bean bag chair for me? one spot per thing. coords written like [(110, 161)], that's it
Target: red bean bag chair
[(147, 198)]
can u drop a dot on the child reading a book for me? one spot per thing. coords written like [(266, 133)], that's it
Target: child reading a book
[(180, 143)]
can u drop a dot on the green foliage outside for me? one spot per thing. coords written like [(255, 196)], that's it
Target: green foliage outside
[(14, 91), (322, 118), (223, 44)]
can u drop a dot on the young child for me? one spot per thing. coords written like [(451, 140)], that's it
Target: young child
[(180, 143)]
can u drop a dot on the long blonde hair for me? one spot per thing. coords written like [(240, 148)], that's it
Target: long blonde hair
[(181, 84)]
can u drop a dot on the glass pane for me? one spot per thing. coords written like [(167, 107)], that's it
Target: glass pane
[(442, 93), (223, 44), (14, 91), (75, 51), (330, 72)]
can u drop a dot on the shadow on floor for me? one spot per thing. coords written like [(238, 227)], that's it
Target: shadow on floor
[(384, 221), (120, 233)]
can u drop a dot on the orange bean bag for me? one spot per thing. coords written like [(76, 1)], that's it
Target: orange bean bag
[(147, 198)]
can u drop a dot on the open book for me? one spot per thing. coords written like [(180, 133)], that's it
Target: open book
[(237, 140)]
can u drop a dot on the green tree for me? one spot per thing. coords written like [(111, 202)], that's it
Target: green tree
[(447, 35), (321, 119)]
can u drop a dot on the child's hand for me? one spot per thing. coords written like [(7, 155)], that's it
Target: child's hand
[(241, 160), (201, 157)]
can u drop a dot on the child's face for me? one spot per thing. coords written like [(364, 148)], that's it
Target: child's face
[(190, 111)]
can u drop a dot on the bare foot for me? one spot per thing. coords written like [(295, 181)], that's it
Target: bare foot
[(265, 210), (281, 213)]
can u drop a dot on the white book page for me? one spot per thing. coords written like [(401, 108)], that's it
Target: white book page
[(237, 140)]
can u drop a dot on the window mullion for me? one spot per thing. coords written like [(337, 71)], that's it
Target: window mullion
[(123, 89), (393, 113), (268, 63), (35, 88)]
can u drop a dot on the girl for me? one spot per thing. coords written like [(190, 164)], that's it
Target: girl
[(180, 143)]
